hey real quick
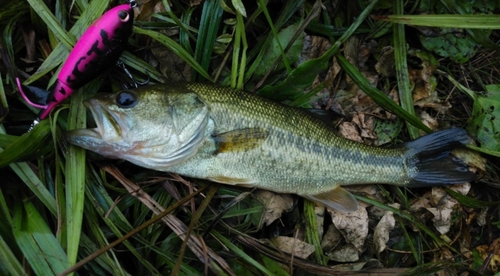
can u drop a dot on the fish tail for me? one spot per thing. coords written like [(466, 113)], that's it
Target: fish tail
[(431, 162)]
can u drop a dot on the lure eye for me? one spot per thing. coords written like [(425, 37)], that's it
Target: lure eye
[(126, 99), (124, 16)]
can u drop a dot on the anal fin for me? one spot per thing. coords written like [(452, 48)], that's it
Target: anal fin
[(338, 199)]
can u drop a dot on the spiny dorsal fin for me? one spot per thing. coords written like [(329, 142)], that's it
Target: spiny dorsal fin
[(240, 140), (338, 199)]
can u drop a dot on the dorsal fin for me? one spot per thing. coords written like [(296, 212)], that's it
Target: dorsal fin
[(338, 199), (240, 140)]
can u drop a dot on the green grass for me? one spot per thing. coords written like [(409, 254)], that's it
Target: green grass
[(61, 205)]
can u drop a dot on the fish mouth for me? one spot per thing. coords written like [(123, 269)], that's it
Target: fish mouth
[(108, 127)]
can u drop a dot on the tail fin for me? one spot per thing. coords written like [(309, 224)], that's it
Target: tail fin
[(431, 162)]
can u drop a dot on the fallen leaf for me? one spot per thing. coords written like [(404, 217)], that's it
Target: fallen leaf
[(422, 202), (348, 130), (385, 64), (274, 205), (347, 253), (444, 255), (171, 65), (429, 121), (352, 225), (424, 82), (441, 219), (314, 47), (493, 252), (331, 238), (445, 205), (383, 229), (473, 159), (293, 246), (357, 51), (484, 122)]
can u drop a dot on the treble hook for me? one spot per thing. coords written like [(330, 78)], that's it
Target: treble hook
[(135, 83)]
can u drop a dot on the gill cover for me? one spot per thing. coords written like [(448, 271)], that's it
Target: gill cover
[(146, 126)]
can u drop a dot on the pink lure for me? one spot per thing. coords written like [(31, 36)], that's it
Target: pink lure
[(99, 48)]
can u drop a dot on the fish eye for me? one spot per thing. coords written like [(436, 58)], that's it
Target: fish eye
[(123, 15), (126, 99)]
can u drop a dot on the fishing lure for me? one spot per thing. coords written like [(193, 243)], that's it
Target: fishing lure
[(98, 48)]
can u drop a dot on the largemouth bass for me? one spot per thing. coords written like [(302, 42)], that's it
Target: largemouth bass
[(239, 138)]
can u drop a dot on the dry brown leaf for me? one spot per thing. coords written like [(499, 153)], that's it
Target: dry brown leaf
[(357, 51), (293, 246), (146, 8), (385, 65), (314, 47), (369, 191), (383, 229), (365, 124), (429, 121), (171, 65), (352, 225), (424, 201), (347, 253), (424, 82), (473, 159), (481, 217), (331, 238), (445, 205), (444, 254), (493, 252), (348, 130), (274, 204)]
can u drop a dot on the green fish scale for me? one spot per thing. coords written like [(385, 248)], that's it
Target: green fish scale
[(299, 148)]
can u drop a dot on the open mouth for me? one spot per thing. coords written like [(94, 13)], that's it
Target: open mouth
[(106, 125)]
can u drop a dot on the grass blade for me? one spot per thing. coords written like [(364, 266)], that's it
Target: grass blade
[(52, 23), (75, 179), (466, 21), (400, 53), (303, 76), (211, 17), (377, 95), (26, 174), (9, 265), (312, 232), (59, 54), (240, 252), (39, 245), (176, 48), (28, 146)]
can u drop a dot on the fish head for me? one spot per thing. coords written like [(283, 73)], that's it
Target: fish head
[(149, 126)]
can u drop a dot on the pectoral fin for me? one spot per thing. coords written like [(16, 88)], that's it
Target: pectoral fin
[(338, 199), (34, 96), (240, 140)]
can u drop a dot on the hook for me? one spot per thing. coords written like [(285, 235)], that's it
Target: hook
[(135, 83)]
